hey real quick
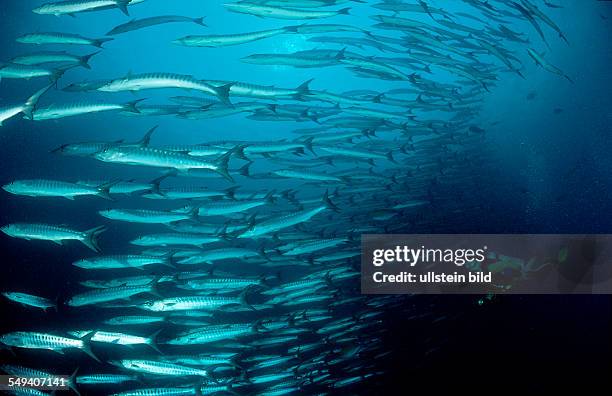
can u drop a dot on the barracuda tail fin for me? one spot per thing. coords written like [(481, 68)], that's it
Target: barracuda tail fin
[(32, 102), (344, 11), (122, 5), (223, 161), (167, 261), (231, 192), (199, 21), (269, 198), (223, 93), (104, 190), (131, 106), (244, 170), (152, 341), (328, 203), (91, 238), (243, 300), (155, 184), (84, 61), (86, 347), (308, 144), (58, 73), (99, 42), (72, 382), (239, 153)]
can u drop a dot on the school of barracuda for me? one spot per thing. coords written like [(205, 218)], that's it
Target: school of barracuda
[(179, 316)]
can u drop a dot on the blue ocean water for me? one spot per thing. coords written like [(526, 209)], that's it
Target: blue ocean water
[(535, 159)]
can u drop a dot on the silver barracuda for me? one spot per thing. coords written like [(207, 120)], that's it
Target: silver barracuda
[(160, 368), (140, 82), (29, 300), (44, 38), (72, 7), (53, 233), (54, 188), (223, 40), (136, 24), (282, 13), (123, 261), (70, 110), (51, 342)]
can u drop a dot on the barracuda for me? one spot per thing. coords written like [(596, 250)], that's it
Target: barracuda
[(278, 223), (136, 24), (212, 334), (61, 38), (328, 28), (217, 359), (146, 156), (211, 256), (134, 320), (147, 216), (71, 7), (222, 208), (97, 296), (304, 175), (108, 337), (54, 57), (30, 300), (100, 379), (222, 284), (295, 60), (189, 192), (70, 110), (160, 368), (26, 72), (314, 246), (123, 261), (34, 340), (282, 13), (165, 80), (312, 284), (346, 152), (172, 239), (222, 40), (192, 303), (177, 391), (53, 233), (54, 188)]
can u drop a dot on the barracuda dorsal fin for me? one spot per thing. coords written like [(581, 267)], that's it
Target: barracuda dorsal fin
[(146, 139), (122, 5)]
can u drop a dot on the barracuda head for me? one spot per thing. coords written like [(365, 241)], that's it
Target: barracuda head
[(143, 240), (43, 9), (10, 339), (11, 229), (11, 187), (156, 306), (107, 213), (115, 85), (110, 154), (82, 263)]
